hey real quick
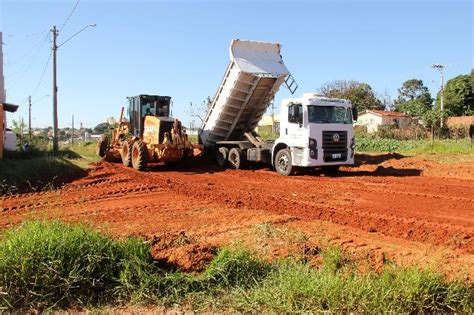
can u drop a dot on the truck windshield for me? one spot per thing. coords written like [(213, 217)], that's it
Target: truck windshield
[(329, 115)]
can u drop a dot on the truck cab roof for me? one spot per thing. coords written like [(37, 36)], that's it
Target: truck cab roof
[(317, 100)]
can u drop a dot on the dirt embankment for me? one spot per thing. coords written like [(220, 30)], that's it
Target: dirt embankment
[(388, 207)]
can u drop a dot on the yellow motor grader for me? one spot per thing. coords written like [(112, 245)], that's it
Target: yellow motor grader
[(149, 135)]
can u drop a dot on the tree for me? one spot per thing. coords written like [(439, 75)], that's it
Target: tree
[(414, 98), (360, 94), (458, 96), (199, 110), (18, 126), (101, 128)]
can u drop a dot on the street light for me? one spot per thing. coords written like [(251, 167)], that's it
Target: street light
[(29, 113), (440, 68)]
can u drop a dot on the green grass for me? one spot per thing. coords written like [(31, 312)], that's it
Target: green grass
[(446, 146), (40, 169), (52, 265)]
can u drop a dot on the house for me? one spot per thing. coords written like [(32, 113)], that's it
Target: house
[(372, 119), (5, 134), (460, 121)]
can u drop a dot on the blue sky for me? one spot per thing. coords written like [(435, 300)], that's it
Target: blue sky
[(180, 48)]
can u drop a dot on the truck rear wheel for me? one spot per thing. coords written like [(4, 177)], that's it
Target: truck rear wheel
[(283, 164), (236, 158), (222, 154), (126, 153), (139, 155)]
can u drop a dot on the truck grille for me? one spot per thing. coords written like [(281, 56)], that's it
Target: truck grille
[(333, 150)]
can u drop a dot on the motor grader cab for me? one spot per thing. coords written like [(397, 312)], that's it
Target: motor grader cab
[(149, 134), (146, 105)]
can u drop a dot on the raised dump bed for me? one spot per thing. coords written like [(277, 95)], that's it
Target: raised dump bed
[(255, 73)]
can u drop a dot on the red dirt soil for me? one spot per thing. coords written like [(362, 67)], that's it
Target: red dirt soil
[(388, 207)]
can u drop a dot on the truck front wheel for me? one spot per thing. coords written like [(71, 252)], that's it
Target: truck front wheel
[(283, 164)]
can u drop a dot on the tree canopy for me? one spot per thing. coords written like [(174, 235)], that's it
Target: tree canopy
[(458, 96), (414, 98), (101, 128), (360, 94)]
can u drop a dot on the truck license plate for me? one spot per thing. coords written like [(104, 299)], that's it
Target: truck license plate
[(336, 156)]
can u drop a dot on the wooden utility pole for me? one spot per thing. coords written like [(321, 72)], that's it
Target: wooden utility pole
[(21, 132), (440, 68), (29, 119), (55, 92)]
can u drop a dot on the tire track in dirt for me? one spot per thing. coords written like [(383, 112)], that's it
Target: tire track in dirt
[(365, 209)]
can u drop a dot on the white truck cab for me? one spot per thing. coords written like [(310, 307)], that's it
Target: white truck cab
[(315, 131)]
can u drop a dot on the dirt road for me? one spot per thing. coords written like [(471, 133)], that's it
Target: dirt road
[(389, 207)]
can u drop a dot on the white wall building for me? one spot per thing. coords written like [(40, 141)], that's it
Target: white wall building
[(372, 119)]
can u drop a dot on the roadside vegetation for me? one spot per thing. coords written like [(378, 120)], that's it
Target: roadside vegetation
[(38, 168), (49, 265), (444, 146)]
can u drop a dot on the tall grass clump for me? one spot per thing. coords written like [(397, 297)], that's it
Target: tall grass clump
[(54, 265), (337, 286), (45, 264)]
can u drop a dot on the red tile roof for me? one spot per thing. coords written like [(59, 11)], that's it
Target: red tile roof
[(386, 114)]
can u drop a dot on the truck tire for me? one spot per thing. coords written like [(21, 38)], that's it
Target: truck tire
[(126, 153), (101, 149), (222, 154), (139, 155), (236, 158), (283, 164)]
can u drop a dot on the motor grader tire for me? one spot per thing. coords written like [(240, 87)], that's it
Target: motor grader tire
[(126, 153), (236, 158), (221, 156), (101, 149), (139, 155)]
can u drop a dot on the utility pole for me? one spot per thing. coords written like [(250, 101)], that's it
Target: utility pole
[(55, 92), (440, 69), (55, 85), (72, 134), (21, 132), (29, 119)]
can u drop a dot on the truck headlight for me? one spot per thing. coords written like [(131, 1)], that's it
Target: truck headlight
[(312, 143)]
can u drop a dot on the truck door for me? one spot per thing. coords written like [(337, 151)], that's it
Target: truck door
[(294, 129)]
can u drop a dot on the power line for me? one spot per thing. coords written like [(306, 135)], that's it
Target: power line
[(69, 16), (32, 55), (42, 74)]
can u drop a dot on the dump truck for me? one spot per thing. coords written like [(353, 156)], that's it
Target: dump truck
[(149, 134), (315, 131)]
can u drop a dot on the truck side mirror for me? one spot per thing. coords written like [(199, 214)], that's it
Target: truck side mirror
[(355, 113)]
